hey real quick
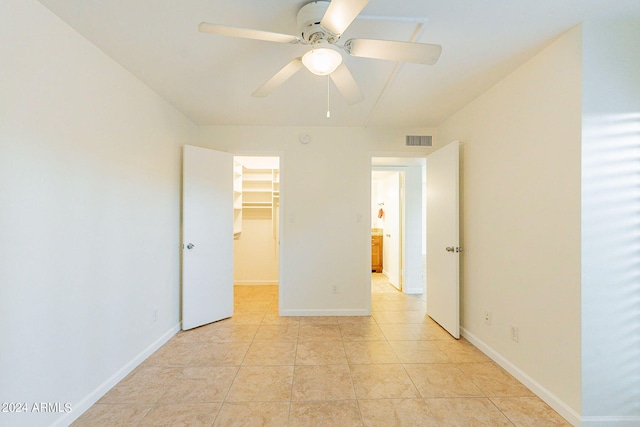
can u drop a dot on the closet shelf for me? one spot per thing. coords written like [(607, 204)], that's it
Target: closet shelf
[(260, 192), (257, 205)]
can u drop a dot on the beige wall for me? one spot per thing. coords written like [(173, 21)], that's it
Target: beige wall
[(521, 220)]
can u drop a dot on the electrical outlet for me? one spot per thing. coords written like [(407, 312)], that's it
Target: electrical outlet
[(515, 333), (487, 317), (334, 289), (155, 315)]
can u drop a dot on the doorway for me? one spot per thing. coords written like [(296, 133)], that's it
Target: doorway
[(256, 245), (398, 200), (387, 227), (256, 220)]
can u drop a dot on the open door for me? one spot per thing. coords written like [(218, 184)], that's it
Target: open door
[(388, 198), (207, 236), (443, 247)]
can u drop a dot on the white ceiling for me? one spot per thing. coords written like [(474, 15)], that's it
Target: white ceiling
[(210, 78)]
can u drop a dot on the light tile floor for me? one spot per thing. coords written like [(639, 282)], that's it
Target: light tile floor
[(395, 368)]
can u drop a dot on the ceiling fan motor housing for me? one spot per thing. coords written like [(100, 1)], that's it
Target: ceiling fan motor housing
[(309, 17)]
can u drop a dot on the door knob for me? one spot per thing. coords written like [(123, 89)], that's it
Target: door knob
[(190, 245), (449, 249)]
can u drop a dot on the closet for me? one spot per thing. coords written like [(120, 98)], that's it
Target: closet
[(256, 218)]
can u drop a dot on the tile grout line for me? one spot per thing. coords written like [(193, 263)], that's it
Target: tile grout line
[(345, 331)]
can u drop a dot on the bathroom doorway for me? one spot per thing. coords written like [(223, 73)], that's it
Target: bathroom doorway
[(398, 219), (387, 201)]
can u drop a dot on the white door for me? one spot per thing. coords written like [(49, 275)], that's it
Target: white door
[(391, 245), (207, 236), (443, 247)]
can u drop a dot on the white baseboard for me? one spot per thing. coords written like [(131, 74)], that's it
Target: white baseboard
[(413, 291), (610, 421), (348, 312), (549, 398), (83, 405)]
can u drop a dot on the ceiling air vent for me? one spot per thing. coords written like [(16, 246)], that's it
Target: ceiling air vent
[(418, 141)]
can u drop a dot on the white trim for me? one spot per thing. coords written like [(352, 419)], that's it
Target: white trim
[(84, 404), (611, 421), (549, 398), (323, 312)]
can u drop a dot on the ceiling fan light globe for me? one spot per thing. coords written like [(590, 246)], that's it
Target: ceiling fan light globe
[(322, 61)]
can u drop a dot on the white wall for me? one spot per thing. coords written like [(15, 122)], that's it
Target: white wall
[(89, 216), (325, 191), (255, 253), (521, 220), (415, 229), (375, 199), (611, 224)]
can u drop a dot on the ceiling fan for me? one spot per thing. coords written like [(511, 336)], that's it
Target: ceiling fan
[(321, 24)]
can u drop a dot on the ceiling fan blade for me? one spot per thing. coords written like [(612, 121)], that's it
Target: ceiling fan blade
[(245, 33), (278, 78), (419, 53), (341, 14), (346, 84)]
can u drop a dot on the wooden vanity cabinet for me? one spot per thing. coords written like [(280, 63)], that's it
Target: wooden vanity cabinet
[(376, 254)]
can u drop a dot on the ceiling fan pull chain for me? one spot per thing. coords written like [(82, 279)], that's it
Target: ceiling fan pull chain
[(328, 85)]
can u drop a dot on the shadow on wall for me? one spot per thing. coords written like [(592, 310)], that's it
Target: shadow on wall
[(611, 259)]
